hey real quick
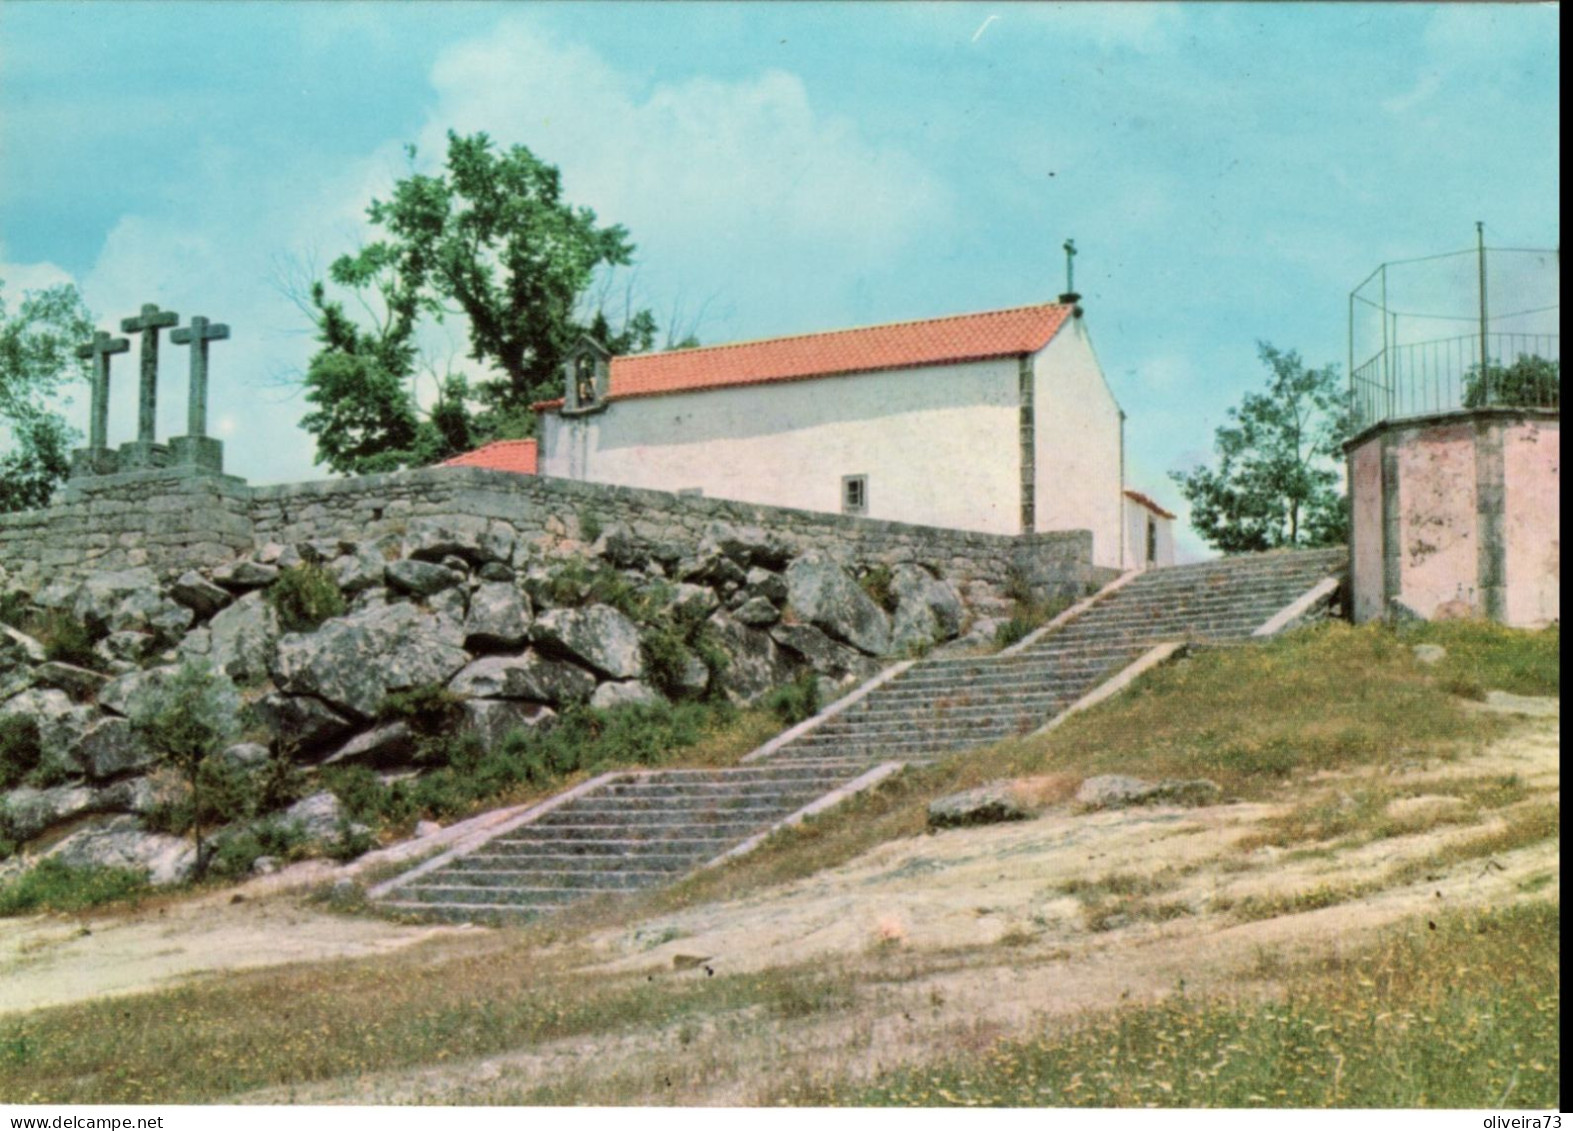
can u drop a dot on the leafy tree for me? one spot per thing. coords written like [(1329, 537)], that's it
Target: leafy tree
[(1277, 476), (491, 238), (187, 722), (37, 359), (1530, 382), (494, 236)]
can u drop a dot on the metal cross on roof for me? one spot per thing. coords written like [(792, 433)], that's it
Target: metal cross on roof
[(1070, 267)]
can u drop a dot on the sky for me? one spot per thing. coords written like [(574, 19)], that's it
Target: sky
[(1229, 172)]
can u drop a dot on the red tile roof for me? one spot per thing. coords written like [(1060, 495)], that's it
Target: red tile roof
[(500, 455), (1138, 497), (898, 345)]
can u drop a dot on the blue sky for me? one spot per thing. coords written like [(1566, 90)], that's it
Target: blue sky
[(1229, 172)]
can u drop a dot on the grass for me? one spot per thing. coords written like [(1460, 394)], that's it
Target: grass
[(277, 1028), (1465, 1016), (54, 886), (1372, 812), (1482, 657)]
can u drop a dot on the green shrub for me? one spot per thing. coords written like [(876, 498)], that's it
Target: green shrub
[(66, 639), (795, 701), (1014, 630), (16, 609), (666, 657), (590, 527), (237, 853), (1027, 617), (278, 783), (363, 796), (188, 720), (9, 835), (21, 749), (51, 885), (352, 841), (610, 587), (876, 582), (429, 710), (304, 596), (225, 794)]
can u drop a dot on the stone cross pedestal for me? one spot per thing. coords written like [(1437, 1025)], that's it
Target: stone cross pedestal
[(198, 449), (96, 458), (144, 452), (196, 453)]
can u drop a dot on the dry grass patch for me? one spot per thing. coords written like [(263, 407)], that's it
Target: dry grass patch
[(294, 1026), (1462, 1016)]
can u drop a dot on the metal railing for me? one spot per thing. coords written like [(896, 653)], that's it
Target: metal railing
[(1405, 318), (1445, 374)]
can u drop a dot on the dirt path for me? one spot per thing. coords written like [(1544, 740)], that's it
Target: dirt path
[(58, 959), (953, 940)]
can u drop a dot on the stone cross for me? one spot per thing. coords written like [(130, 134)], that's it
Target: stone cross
[(148, 324), (197, 336), (100, 349)]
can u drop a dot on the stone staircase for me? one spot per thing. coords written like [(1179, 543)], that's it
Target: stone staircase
[(943, 705), (632, 830)]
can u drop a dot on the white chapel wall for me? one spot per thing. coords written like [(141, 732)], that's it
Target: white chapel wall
[(937, 443), (1137, 518), (1077, 426)]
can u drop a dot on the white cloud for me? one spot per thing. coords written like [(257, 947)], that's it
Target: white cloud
[(712, 177), (19, 277)]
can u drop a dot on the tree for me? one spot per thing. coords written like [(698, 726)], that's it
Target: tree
[(491, 238), (1276, 480), (187, 722), (1530, 382), (37, 359), (494, 236)]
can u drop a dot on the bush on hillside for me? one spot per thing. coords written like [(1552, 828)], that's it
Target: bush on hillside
[(305, 596)]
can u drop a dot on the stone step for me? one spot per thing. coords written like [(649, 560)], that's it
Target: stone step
[(578, 818), (600, 838), (624, 831), (1040, 669), (600, 879), (455, 895), (895, 746), (465, 913), (690, 807), (552, 857), (950, 725), (645, 828), (742, 789), (782, 771)]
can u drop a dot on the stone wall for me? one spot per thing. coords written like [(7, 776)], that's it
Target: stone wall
[(172, 522), (165, 520)]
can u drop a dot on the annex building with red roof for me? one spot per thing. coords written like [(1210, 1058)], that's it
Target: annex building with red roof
[(998, 422)]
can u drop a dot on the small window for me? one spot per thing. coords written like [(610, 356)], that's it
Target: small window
[(854, 494), (1152, 542)]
